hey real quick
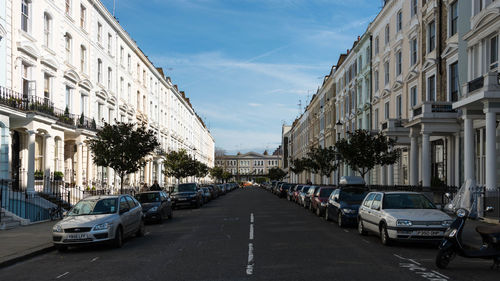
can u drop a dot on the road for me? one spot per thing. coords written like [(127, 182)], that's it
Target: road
[(248, 234)]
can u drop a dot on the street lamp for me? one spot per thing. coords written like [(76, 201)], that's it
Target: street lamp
[(338, 127)]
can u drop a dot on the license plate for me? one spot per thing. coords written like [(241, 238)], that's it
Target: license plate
[(77, 236), (182, 199), (427, 233)]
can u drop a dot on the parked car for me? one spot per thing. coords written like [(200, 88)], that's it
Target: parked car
[(309, 195), (206, 194), (187, 194), (318, 202), (303, 194), (289, 194), (296, 192), (97, 219), (406, 216), (283, 191), (156, 205)]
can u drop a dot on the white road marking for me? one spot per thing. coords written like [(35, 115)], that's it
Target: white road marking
[(64, 274), (250, 259), (94, 259), (147, 233), (251, 232), (345, 230), (251, 217), (421, 271), (366, 241)]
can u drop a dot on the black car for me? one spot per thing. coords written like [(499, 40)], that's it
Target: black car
[(156, 205), (343, 204), (187, 194), (283, 191)]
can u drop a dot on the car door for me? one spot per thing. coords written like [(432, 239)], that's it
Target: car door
[(125, 215), (331, 203), (375, 212), (365, 211), (135, 213)]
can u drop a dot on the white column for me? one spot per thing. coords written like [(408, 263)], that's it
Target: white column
[(481, 173), (79, 164), (47, 161), (491, 165), (90, 168), (468, 149), (158, 171), (30, 186), (11, 152), (457, 159), (383, 175), (449, 160), (426, 160), (414, 160)]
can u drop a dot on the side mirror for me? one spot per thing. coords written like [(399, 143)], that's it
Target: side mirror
[(489, 209)]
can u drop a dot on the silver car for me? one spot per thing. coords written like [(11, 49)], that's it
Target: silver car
[(99, 219), (402, 216)]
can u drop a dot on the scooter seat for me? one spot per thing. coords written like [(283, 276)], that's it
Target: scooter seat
[(488, 229)]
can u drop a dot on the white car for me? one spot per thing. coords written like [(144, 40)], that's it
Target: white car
[(99, 219), (404, 216)]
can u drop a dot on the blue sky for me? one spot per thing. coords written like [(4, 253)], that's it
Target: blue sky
[(245, 64)]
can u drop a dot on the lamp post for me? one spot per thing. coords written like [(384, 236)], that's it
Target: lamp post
[(338, 127)]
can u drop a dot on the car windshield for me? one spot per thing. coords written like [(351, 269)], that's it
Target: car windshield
[(148, 197), (325, 192), (352, 196), (305, 189), (94, 207), (185, 187), (407, 201)]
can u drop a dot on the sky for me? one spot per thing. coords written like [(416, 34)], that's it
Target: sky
[(246, 65)]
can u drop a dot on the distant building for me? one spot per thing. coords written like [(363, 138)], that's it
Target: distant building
[(248, 166)]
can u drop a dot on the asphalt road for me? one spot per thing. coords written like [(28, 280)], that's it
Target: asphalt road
[(248, 234)]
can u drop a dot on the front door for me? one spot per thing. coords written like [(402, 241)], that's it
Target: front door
[(16, 163)]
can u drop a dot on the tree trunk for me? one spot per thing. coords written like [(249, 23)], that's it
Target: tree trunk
[(122, 175)]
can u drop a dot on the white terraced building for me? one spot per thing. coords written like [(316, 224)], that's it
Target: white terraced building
[(66, 67)]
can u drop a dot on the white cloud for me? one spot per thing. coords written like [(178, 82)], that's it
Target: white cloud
[(254, 104)]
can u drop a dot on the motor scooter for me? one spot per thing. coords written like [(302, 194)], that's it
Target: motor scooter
[(452, 242)]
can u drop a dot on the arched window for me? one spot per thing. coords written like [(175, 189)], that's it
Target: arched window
[(47, 30)]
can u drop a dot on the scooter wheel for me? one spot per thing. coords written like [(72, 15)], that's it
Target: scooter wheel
[(443, 258)]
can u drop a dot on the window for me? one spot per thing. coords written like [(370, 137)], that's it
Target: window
[(138, 100), (138, 72), (376, 80), (129, 62), (121, 87), (68, 7), (414, 48), (454, 81), (110, 37), (83, 16), (99, 32), (387, 34), (83, 59), (25, 15), (431, 88), (375, 118), (414, 7), (453, 18), (376, 45), (47, 30), (110, 74), (386, 110), (399, 21), (46, 86), (493, 52), (413, 96), (67, 40), (431, 36), (386, 70), (129, 88), (398, 107), (83, 104), (398, 63), (377, 202), (68, 98), (121, 55), (99, 71)]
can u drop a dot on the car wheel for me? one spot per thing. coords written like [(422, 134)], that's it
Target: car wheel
[(142, 229), (118, 241), (340, 221), (443, 258), (171, 214), (61, 248), (361, 228), (326, 215), (318, 212), (384, 236)]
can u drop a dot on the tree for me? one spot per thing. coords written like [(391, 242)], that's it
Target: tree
[(179, 164), (122, 147), (201, 169), (226, 175), (299, 165), (321, 161), (276, 173), (363, 151), (217, 172)]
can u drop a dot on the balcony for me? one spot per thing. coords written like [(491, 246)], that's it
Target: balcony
[(479, 89), (30, 104), (433, 109), (475, 84)]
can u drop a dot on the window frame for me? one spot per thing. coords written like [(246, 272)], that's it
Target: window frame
[(431, 36)]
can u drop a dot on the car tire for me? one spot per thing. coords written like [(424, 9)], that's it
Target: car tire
[(318, 212), (118, 240), (61, 248), (340, 221), (142, 229), (327, 218), (384, 236), (361, 227)]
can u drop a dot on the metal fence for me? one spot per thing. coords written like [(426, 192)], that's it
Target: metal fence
[(492, 199), (436, 194)]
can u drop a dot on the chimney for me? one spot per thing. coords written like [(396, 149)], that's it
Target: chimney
[(359, 37)]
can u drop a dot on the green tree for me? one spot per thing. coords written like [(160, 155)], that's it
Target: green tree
[(276, 173), (362, 151), (320, 160), (179, 164), (122, 148), (226, 176), (201, 169), (216, 173)]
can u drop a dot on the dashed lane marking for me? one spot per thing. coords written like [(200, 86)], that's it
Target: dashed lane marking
[(251, 232), (94, 259), (366, 241), (250, 263), (62, 275), (345, 230)]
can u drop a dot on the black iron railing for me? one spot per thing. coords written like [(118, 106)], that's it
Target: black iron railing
[(476, 84), (384, 125), (443, 108), (417, 111)]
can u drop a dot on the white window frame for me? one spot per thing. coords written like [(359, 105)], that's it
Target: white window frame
[(83, 59), (431, 41), (413, 95), (399, 21), (450, 16), (387, 73), (26, 12), (399, 63), (428, 87), (68, 47), (67, 7), (413, 51), (47, 30)]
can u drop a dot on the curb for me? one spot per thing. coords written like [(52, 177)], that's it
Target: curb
[(27, 256)]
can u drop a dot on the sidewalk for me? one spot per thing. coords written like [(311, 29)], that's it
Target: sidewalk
[(24, 242)]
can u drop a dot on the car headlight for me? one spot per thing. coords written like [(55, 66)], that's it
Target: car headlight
[(404, 223), (323, 204), (461, 213), (154, 209), (57, 228), (103, 226), (446, 223), (349, 211)]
